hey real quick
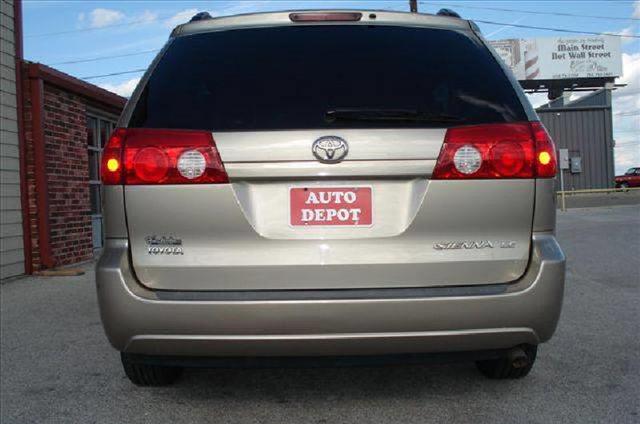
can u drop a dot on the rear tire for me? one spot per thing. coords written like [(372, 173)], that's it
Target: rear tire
[(149, 375), (509, 367)]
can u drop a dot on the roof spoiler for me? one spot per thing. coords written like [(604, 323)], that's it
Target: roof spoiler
[(448, 12), (201, 16)]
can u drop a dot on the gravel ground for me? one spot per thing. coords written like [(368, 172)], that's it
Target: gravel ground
[(57, 367)]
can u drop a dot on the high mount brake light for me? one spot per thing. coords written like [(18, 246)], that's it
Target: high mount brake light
[(138, 156), (494, 151), (325, 17)]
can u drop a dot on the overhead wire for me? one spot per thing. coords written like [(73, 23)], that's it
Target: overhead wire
[(113, 74), (544, 28), (566, 30), (141, 21), (99, 58), (532, 12)]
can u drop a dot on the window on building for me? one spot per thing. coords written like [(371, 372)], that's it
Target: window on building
[(98, 132)]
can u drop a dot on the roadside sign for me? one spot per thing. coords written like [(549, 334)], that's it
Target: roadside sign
[(562, 57), (563, 156)]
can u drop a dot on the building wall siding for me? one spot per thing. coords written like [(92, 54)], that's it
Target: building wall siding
[(585, 128), (586, 134), (11, 241)]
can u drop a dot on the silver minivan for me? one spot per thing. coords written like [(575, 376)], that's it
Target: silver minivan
[(328, 186)]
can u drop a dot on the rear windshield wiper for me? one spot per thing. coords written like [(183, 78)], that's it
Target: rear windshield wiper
[(388, 115)]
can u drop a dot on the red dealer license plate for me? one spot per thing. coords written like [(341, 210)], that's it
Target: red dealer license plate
[(331, 206)]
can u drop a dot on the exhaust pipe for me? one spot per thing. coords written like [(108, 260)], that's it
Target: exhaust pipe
[(518, 358)]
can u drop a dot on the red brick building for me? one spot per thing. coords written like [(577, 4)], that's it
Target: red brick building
[(52, 129), (65, 124)]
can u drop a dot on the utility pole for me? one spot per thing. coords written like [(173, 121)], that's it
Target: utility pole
[(413, 6)]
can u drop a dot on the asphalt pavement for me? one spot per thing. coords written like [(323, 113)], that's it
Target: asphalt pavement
[(57, 366)]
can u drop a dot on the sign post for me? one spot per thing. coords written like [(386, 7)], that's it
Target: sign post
[(563, 155)]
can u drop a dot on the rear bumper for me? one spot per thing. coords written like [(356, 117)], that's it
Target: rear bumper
[(138, 320)]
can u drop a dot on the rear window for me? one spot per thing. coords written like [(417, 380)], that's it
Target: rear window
[(289, 77)]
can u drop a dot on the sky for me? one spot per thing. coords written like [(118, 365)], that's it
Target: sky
[(129, 33)]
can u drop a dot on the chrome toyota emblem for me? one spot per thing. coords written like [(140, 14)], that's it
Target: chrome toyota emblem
[(330, 149)]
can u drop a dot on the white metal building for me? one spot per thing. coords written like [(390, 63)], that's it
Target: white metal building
[(11, 240)]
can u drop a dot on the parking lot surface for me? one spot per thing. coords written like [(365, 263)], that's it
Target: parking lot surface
[(57, 366)]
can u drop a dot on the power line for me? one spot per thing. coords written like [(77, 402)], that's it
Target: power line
[(141, 21), (487, 22), (574, 31), (133, 71), (476, 20), (123, 24), (533, 12), (95, 59), (74, 31)]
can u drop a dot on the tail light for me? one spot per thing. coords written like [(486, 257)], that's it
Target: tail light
[(493, 151), (546, 159), (138, 156)]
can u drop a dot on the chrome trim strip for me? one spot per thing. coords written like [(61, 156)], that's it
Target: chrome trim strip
[(252, 170), (388, 293)]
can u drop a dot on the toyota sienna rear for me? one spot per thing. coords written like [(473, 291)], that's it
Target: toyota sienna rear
[(314, 186)]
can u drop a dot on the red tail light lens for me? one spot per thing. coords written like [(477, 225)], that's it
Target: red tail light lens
[(155, 156), (496, 151), (149, 164), (111, 163), (509, 158)]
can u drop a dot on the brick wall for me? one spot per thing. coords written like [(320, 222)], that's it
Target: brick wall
[(65, 132), (30, 180), (67, 172)]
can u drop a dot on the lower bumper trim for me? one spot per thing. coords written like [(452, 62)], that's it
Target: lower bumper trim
[(316, 361), (345, 344), (385, 293)]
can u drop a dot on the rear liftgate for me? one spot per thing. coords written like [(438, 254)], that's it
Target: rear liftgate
[(375, 208)]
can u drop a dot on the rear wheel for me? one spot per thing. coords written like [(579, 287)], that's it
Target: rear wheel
[(516, 364), (142, 374)]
